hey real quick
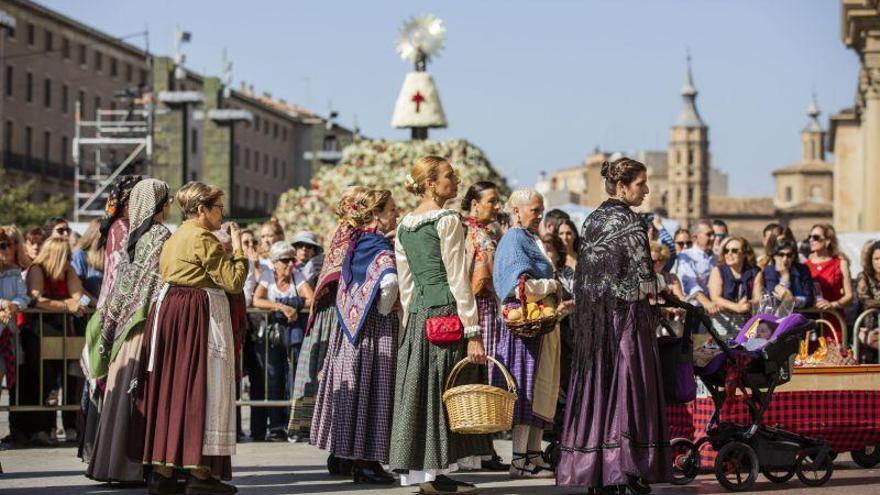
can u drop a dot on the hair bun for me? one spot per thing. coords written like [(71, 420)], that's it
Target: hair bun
[(606, 170)]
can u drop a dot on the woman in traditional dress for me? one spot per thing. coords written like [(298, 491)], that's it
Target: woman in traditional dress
[(615, 432), (356, 392), (188, 397), (481, 205), (114, 231), (533, 362), (434, 283), (114, 337), (283, 293), (322, 322)]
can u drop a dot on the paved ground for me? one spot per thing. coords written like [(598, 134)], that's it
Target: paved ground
[(280, 468)]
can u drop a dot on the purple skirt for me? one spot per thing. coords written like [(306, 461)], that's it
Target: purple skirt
[(615, 424), (520, 356)]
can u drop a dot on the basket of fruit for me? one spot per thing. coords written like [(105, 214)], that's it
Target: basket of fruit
[(530, 319)]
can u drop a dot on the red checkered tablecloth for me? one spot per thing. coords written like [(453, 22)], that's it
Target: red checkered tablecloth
[(846, 419)]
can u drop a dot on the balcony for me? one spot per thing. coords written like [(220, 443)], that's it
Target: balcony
[(36, 166)]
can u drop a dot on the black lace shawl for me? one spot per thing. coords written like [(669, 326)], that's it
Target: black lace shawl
[(613, 271)]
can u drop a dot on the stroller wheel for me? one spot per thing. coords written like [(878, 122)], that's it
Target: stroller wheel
[(736, 466), (685, 461), (814, 476), (778, 475), (867, 457)]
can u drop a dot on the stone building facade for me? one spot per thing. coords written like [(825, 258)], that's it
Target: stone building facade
[(254, 147), (855, 131)]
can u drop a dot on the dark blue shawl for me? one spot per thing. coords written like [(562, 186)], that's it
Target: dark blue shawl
[(370, 256)]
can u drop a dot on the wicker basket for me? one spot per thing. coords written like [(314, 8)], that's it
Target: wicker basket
[(479, 409), (526, 328)]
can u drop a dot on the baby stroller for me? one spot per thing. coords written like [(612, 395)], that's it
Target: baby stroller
[(755, 368)]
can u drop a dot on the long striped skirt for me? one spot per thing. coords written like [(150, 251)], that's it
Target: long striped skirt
[(356, 392), (520, 356), (310, 362)]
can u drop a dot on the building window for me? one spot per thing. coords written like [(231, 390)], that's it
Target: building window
[(82, 54), (257, 124), (690, 156), (129, 72), (275, 131), (65, 48), (275, 168), (143, 77), (283, 169), (330, 143), (97, 106), (64, 150), (7, 141), (10, 79), (816, 193), (64, 98), (256, 161), (47, 146), (47, 93), (28, 144), (29, 88), (266, 127), (247, 157), (247, 197), (194, 142), (31, 34), (50, 42), (788, 194), (99, 61), (81, 99), (284, 134), (114, 69), (265, 164)]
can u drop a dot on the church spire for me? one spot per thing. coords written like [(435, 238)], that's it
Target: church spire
[(813, 112), (813, 136), (689, 116)]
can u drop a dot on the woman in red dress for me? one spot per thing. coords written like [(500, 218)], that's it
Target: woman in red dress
[(830, 272)]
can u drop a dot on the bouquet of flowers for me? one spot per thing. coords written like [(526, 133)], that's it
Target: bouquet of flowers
[(378, 164)]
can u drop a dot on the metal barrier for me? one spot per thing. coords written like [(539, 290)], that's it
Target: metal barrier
[(856, 326), (63, 345), (54, 345)]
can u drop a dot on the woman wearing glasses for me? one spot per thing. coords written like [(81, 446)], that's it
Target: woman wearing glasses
[(731, 284), (188, 391), (830, 272), (284, 294), (785, 278)]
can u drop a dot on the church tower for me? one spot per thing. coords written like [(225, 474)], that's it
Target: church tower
[(813, 137), (688, 159)]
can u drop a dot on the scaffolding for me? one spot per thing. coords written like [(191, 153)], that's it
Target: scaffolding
[(113, 133)]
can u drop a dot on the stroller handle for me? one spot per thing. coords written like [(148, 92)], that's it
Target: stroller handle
[(669, 301)]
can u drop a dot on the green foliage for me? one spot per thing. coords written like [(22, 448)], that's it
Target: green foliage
[(17, 208)]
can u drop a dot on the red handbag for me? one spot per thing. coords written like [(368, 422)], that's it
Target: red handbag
[(444, 329)]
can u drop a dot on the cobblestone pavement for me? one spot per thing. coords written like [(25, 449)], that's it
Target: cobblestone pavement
[(282, 468)]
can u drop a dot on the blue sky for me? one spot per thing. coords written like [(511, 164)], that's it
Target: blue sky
[(536, 84)]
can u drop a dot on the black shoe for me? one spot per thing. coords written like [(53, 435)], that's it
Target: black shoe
[(160, 485), (444, 484), (494, 464), (210, 486), (638, 486), (368, 475)]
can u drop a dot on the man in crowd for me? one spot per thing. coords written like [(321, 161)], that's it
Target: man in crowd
[(552, 219), (695, 264), (720, 229)]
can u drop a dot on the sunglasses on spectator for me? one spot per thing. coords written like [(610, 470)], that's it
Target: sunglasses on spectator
[(303, 246), (786, 254), (816, 238), (62, 230), (684, 244), (285, 261), (732, 250)]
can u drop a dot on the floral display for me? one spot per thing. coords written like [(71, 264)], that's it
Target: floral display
[(377, 164)]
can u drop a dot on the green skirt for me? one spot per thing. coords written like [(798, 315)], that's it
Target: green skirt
[(420, 435)]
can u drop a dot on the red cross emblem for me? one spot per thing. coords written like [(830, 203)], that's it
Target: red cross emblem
[(418, 99)]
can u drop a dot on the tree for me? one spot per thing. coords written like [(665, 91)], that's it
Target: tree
[(17, 208)]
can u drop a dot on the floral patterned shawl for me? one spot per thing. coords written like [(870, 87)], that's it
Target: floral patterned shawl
[(370, 257)]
